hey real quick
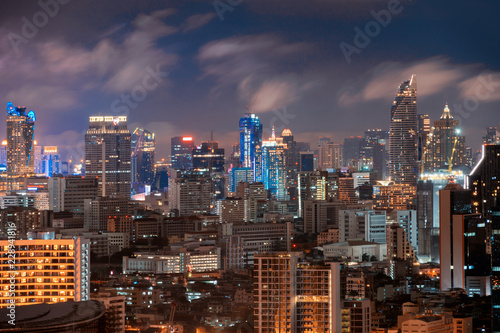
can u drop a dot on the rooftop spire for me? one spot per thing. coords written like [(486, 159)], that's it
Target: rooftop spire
[(446, 113)]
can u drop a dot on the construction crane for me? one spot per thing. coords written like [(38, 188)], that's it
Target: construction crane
[(170, 324), (450, 159)]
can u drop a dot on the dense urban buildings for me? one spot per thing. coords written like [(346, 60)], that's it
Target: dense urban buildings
[(310, 211)]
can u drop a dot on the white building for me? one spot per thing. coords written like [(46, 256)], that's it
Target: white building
[(354, 250)]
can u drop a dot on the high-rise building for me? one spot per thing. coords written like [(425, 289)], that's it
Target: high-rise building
[(424, 129), (351, 153), (484, 181), (291, 295), (403, 152), (250, 138), (3, 154), (375, 151), (190, 194), (306, 161), (495, 268), (239, 175), (492, 135), (69, 193), (316, 185), (20, 140), (270, 167), (182, 152), (98, 212), (464, 262), (47, 161), (446, 147), (330, 156), (107, 155), (399, 251), (143, 157), (49, 270), (208, 157)]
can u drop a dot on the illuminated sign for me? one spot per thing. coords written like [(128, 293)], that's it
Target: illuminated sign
[(187, 138), (116, 121)]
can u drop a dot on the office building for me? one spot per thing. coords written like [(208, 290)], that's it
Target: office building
[(306, 161), (374, 152), (20, 140), (190, 194), (271, 167), (181, 152), (99, 211), (291, 295), (316, 185), (464, 262), (107, 155), (49, 270), (351, 152), (400, 253), (359, 315), (143, 146), (403, 152), (330, 156), (69, 193), (355, 250), (208, 157), (115, 309), (446, 147), (47, 161), (239, 175), (495, 268), (250, 139), (23, 218)]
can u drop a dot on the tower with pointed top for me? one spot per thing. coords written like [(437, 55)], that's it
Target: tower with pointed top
[(446, 147), (403, 139)]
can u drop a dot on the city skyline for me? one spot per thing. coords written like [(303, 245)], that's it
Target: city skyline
[(247, 56)]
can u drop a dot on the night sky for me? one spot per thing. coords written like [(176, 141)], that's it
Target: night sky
[(282, 56)]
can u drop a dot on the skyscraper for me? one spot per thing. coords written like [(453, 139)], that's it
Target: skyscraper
[(143, 156), (330, 156), (462, 235), (250, 138), (446, 147), (20, 139), (107, 155), (403, 153), (182, 152), (270, 167)]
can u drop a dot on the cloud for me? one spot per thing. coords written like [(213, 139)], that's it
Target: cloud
[(197, 21), (56, 97), (434, 76), (253, 65), (484, 87)]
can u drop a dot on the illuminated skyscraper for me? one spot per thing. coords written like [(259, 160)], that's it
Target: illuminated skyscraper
[(143, 156), (20, 139), (446, 148), (403, 152), (182, 152), (250, 138), (107, 155), (270, 167)]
